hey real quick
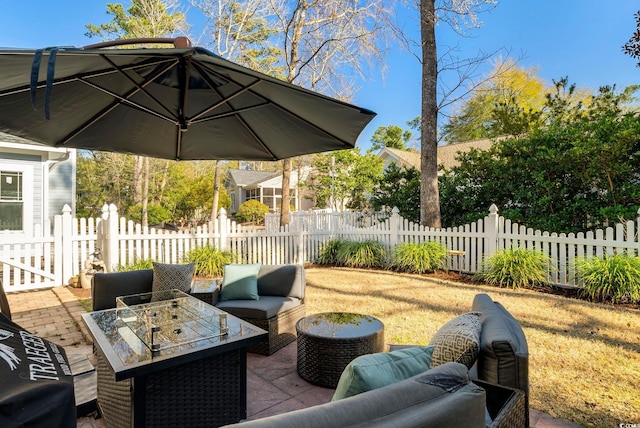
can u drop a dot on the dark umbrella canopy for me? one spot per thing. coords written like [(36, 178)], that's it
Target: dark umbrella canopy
[(171, 103)]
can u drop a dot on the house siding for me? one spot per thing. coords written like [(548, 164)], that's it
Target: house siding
[(62, 178)]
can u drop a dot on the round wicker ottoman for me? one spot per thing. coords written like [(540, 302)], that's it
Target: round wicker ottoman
[(327, 342)]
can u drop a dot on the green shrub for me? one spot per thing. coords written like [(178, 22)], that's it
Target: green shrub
[(209, 261), (253, 211), (615, 278), (367, 253), (138, 264), (156, 213), (418, 258), (329, 252), (515, 268)]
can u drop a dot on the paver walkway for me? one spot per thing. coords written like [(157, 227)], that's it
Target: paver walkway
[(273, 384)]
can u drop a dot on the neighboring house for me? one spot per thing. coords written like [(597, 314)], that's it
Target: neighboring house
[(36, 181), (402, 158), (446, 154), (266, 187)]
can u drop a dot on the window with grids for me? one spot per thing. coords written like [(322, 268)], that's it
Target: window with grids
[(271, 197), (252, 194), (11, 202)]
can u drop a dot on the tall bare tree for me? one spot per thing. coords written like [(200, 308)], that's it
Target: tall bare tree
[(144, 18), (429, 195), (237, 30), (325, 45), (439, 93)]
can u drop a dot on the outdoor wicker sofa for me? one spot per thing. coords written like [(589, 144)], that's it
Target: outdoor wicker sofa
[(280, 304), (493, 393)]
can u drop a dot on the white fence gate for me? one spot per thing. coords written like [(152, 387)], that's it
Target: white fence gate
[(55, 254)]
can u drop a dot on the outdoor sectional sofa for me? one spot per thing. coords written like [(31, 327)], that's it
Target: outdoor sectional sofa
[(280, 305), (447, 395)]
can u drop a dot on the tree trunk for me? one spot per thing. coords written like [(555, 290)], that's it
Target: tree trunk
[(286, 194), (138, 179), (216, 190), (429, 194), (298, 187), (145, 194), (163, 182)]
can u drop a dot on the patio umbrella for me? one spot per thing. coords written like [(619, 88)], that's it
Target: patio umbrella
[(182, 103)]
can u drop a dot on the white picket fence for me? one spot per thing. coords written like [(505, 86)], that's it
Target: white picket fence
[(55, 254)]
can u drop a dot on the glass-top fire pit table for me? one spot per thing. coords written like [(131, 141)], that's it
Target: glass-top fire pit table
[(170, 359), (327, 342)]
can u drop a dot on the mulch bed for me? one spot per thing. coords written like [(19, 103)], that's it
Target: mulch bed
[(571, 293)]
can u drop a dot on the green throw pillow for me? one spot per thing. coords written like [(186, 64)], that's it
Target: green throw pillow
[(172, 276), (373, 371), (240, 282)]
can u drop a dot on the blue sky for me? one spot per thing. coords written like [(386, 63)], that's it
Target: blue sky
[(580, 39)]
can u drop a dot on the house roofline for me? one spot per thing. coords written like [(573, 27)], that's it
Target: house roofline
[(33, 147)]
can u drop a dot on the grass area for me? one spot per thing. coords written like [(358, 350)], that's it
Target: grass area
[(86, 304), (584, 357)]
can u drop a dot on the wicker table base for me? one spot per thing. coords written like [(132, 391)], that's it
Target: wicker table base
[(193, 375), (327, 343), (209, 392)]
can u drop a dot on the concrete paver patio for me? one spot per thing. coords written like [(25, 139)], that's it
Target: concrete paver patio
[(273, 384)]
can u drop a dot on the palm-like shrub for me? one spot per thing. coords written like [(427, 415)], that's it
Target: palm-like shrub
[(138, 264), (329, 252), (418, 258), (519, 267), (615, 278), (209, 261), (367, 254)]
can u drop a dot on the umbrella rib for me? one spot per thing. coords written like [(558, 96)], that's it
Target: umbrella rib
[(237, 113), (121, 99), (64, 80), (313, 125), (258, 139), (224, 99), (141, 88), (229, 113), (249, 89), (124, 99), (109, 108)]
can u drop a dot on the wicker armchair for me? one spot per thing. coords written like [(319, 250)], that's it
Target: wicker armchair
[(281, 305)]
